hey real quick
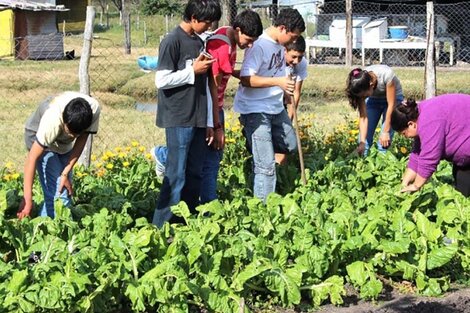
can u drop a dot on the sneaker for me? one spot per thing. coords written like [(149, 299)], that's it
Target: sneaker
[(159, 153)]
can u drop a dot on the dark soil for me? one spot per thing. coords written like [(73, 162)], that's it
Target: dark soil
[(454, 301)]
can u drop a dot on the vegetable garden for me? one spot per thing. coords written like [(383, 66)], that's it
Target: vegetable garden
[(348, 225)]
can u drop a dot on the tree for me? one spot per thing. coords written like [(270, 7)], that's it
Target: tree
[(104, 11), (161, 7)]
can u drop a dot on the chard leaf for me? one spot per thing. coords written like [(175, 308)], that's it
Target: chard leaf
[(371, 289), (18, 279), (253, 269), (440, 256), (357, 273), (135, 295), (332, 287), (181, 209), (426, 227), (395, 247)]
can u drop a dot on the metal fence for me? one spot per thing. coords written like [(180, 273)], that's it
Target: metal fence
[(36, 70), (393, 33)]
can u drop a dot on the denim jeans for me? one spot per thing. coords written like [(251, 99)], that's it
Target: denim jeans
[(183, 172), (210, 170), (49, 167), (265, 135), (377, 108)]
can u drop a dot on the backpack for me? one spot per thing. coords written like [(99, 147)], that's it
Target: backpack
[(207, 36)]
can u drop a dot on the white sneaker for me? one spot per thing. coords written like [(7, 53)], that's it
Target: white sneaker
[(159, 155)]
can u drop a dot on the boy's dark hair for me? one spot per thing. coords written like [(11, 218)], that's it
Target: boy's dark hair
[(291, 19), (77, 115), (404, 113), (358, 81), (249, 23), (297, 45), (202, 10)]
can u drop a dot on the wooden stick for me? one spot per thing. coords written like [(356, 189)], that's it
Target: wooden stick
[(299, 144)]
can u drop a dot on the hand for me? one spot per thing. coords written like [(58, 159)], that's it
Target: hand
[(410, 188), (384, 139), (65, 183), (24, 209), (287, 85), (209, 135), (219, 141), (361, 148), (202, 64)]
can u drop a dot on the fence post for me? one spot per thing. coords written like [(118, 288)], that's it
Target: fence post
[(349, 34), (126, 17), (84, 75), (430, 68)]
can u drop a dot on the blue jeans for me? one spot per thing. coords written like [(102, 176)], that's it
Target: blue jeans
[(183, 171), (377, 108), (265, 135), (49, 167), (210, 170)]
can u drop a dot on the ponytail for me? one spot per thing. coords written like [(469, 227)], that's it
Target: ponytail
[(405, 112), (358, 81)]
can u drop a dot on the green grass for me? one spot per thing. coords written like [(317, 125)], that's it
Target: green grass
[(118, 84)]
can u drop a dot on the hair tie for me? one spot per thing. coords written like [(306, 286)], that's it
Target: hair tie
[(356, 72)]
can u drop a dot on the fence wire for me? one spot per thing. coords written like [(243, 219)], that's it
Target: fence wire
[(36, 67), (393, 33)]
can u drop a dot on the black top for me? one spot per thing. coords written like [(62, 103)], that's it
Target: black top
[(185, 105)]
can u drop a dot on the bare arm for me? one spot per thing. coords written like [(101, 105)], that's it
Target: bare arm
[(219, 135), (77, 150), (29, 170), (363, 122), (412, 181), (391, 96), (256, 81), (295, 105)]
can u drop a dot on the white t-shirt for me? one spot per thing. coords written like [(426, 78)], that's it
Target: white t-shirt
[(46, 125), (300, 70), (266, 58)]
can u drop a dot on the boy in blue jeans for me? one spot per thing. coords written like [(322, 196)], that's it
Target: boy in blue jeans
[(222, 45), (259, 99), (55, 135), (181, 79)]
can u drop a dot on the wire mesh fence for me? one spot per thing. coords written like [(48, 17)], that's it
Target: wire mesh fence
[(391, 33), (37, 66)]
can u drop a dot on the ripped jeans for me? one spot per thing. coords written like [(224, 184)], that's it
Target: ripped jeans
[(265, 135)]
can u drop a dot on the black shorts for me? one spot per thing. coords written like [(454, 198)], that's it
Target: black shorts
[(462, 179)]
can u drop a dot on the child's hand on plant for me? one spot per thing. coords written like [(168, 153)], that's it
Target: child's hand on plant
[(385, 139), (24, 210), (65, 183), (361, 148)]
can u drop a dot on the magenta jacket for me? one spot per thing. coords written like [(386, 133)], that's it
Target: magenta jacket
[(443, 133)]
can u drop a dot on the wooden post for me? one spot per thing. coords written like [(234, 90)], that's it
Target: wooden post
[(430, 68), (145, 33), (349, 34), (166, 24), (84, 76), (126, 16)]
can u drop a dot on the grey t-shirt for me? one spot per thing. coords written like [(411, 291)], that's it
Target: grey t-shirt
[(384, 76)]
